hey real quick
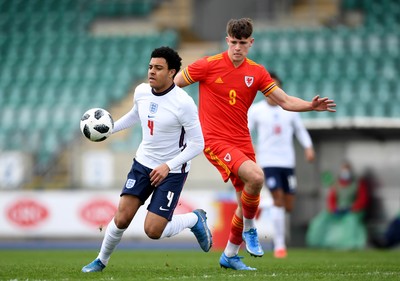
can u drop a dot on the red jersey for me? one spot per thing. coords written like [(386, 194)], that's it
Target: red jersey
[(226, 93)]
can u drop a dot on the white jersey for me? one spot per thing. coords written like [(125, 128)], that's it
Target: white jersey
[(171, 131), (276, 129)]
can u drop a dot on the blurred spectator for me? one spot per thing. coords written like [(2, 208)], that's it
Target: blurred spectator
[(391, 236), (341, 225)]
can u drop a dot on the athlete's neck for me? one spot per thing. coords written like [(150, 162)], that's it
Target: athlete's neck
[(161, 92)]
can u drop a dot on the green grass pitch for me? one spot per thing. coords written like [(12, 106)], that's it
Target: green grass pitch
[(301, 264)]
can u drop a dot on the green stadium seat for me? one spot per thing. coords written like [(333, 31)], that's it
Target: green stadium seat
[(383, 92), (373, 44), (351, 4), (378, 109), (352, 70), (391, 43), (309, 115), (315, 70), (359, 109), (42, 117), (8, 114), (25, 117), (394, 110), (363, 90)]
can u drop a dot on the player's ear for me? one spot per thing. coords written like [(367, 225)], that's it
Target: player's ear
[(172, 73), (227, 40), (251, 42)]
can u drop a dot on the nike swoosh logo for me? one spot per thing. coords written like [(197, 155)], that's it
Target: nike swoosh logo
[(151, 116), (162, 209)]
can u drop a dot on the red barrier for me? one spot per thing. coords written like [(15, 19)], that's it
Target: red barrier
[(224, 213)]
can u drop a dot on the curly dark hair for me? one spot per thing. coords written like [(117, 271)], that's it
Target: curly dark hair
[(173, 59)]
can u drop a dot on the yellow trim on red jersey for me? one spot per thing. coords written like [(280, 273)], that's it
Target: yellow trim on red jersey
[(215, 57), (267, 90), (219, 161), (186, 76), (251, 62)]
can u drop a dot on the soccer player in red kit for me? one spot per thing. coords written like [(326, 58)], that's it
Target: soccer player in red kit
[(228, 84)]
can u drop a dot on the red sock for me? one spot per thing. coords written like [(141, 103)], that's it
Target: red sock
[(235, 235), (250, 204)]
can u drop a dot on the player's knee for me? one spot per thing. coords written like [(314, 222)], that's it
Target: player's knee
[(152, 233), (288, 209), (122, 223), (259, 180), (279, 203), (256, 182)]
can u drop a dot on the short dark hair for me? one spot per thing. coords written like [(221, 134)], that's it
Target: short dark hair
[(240, 28), (275, 77), (174, 61)]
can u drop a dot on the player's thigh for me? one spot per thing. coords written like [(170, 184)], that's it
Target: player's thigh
[(127, 208), (166, 196), (228, 159), (154, 225), (278, 197), (163, 203), (289, 202)]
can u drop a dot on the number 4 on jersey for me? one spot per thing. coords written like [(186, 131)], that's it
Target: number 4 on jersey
[(150, 124)]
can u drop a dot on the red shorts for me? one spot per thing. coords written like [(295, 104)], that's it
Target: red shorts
[(227, 158)]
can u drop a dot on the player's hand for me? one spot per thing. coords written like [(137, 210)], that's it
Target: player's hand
[(323, 104), (309, 154), (159, 174)]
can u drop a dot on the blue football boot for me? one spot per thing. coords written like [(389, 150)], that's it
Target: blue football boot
[(234, 263), (253, 246), (94, 266), (201, 230)]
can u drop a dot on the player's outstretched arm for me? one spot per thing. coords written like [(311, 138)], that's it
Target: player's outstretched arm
[(292, 103)]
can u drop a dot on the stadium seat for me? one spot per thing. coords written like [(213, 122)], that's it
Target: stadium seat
[(379, 109), (359, 109), (393, 110)]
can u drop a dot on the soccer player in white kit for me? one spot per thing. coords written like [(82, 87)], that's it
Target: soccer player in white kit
[(172, 136), (275, 153)]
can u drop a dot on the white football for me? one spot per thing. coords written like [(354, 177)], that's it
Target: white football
[(97, 124)]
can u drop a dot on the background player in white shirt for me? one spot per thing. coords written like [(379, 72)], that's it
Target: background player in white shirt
[(172, 136), (275, 153)]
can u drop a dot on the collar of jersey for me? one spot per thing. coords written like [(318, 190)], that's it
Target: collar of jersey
[(163, 92)]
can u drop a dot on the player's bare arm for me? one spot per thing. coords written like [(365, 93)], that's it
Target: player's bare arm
[(179, 80), (292, 103)]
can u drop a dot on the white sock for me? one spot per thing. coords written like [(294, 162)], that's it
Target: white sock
[(231, 249), (111, 239), (178, 224), (278, 220), (248, 224)]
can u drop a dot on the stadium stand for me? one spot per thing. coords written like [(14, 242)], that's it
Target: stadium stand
[(357, 66), (53, 69)]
